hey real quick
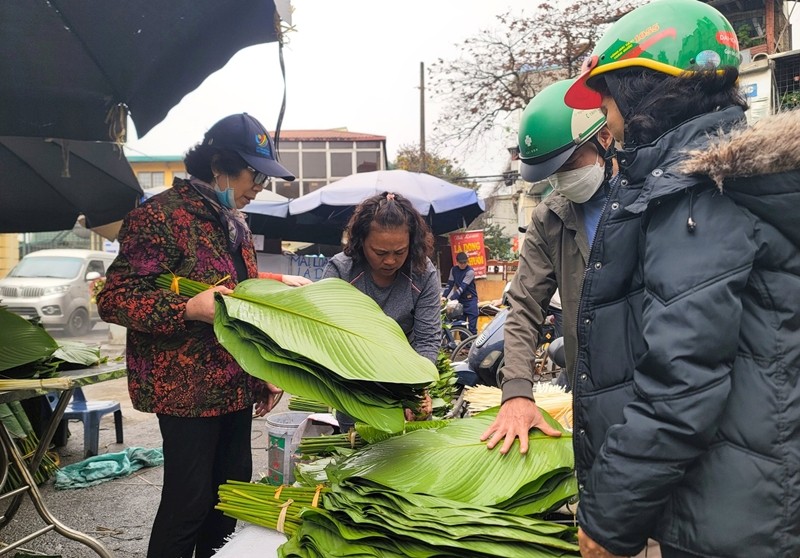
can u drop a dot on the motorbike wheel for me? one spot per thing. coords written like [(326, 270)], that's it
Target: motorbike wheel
[(454, 335), (461, 352)]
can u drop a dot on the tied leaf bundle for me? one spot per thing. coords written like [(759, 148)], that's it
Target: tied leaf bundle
[(273, 507), (182, 285), (305, 404), (326, 341)]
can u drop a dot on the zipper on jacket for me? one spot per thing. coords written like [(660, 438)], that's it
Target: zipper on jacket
[(603, 217), (614, 188)]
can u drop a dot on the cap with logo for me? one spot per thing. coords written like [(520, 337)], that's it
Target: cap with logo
[(247, 136)]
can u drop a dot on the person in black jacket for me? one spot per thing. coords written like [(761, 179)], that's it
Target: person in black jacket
[(687, 399)]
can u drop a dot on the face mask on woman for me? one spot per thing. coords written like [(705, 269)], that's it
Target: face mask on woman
[(225, 197), (578, 185)]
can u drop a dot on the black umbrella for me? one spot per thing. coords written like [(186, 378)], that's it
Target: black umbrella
[(72, 68), (48, 183)]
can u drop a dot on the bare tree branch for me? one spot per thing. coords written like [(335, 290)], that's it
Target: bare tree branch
[(500, 70)]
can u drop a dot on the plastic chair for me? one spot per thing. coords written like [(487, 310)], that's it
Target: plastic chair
[(89, 413)]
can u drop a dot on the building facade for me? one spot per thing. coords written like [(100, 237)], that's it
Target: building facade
[(315, 157)]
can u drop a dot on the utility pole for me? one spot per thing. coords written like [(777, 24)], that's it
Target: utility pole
[(422, 117)]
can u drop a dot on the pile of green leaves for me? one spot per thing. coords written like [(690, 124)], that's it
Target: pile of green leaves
[(326, 341), (423, 462), (360, 520), (402, 497), (28, 351), (20, 429)]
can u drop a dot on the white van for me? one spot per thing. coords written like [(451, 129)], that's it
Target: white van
[(54, 285)]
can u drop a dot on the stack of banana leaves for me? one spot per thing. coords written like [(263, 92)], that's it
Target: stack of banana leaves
[(30, 359), (28, 352), (326, 341), (430, 492)]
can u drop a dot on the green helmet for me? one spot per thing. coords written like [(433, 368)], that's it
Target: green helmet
[(550, 131), (669, 36)]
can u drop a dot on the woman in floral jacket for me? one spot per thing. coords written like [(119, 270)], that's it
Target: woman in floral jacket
[(176, 367)]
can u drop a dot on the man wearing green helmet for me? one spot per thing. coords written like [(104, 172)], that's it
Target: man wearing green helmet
[(691, 302), (572, 149)]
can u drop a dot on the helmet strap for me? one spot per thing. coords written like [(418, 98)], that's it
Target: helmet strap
[(607, 154)]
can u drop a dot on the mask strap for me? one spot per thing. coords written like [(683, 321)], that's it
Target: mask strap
[(607, 155)]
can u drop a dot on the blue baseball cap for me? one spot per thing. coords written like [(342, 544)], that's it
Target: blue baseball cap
[(247, 136)]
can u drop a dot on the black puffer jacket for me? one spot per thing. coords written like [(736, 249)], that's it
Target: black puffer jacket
[(695, 291)]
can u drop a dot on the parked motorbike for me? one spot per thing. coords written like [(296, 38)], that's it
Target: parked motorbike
[(484, 362)]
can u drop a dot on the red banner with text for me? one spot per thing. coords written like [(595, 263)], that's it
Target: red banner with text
[(470, 242)]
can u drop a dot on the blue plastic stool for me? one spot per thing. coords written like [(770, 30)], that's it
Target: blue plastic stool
[(89, 413)]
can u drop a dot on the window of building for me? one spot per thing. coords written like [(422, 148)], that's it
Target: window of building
[(341, 145), (341, 164), (367, 161), (314, 145), (291, 160), (314, 164), (288, 189), (150, 179), (368, 145), (286, 145), (311, 185)]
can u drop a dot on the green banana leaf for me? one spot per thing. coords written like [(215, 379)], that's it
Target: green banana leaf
[(326, 341), (332, 323), (296, 379), (22, 342), (362, 521), (75, 352), (424, 462), (372, 435)]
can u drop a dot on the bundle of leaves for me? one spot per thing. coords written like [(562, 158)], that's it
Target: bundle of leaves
[(423, 462), (326, 341), (297, 403), (27, 351), (400, 497), (359, 520), (19, 427), (444, 390)]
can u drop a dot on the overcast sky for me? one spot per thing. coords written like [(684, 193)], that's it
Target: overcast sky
[(349, 63)]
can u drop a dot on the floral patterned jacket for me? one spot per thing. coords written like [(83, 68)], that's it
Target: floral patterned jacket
[(175, 367)]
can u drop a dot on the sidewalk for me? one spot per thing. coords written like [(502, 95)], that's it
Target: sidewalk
[(119, 513)]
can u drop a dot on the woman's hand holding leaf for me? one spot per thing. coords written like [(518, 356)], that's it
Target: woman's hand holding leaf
[(201, 306), (295, 280), (267, 400)]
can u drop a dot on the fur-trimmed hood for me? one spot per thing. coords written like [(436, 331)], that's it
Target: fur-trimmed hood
[(770, 146)]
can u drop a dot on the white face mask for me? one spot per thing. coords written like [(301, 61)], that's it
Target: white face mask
[(580, 184)]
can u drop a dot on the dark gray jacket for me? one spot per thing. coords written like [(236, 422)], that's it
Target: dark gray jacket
[(691, 315), (413, 300)]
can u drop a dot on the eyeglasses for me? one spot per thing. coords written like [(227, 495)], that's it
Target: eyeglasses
[(258, 177)]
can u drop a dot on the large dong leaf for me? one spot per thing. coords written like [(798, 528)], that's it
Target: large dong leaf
[(22, 342), (297, 377), (332, 323), (452, 462)]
